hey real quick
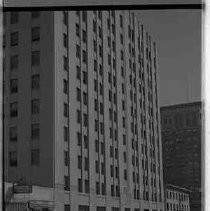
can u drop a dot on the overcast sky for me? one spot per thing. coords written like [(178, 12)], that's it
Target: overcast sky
[(178, 37)]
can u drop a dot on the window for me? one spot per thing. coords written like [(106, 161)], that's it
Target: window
[(84, 56), (79, 139), (110, 95), (124, 157), (113, 28), (13, 158), (13, 86), (78, 72), (65, 110), (84, 36), (109, 41), (35, 157), (80, 185), (35, 34), (35, 105), (102, 128), (77, 30), (125, 174), (111, 151), (108, 23), (97, 188), (14, 39), (112, 190), (65, 63), (87, 189), (97, 166), (124, 139), (122, 55), (14, 62), (100, 69), (79, 165), (13, 134), (100, 51), (65, 17), (65, 40), (35, 14), (66, 158), (85, 117), (78, 94), (77, 51), (95, 85), (96, 105), (35, 131), (35, 58), (65, 86), (112, 170), (85, 98), (14, 109), (85, 77), (103, 187), (66, 134), (35, 81), (66, 207), (86, 164), (96, 145), (123, 122), (96, 125), (102, 168), (121, 21), (79, 116), (109, 59), (123, 105), (85, 141), (14, 17), (101, 108), (94, 26)]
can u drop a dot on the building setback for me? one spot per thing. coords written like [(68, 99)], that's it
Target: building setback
[(81, 109), (181, 137)]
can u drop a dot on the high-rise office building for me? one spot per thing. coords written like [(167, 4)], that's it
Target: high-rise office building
[(181, 138), (81, 111)]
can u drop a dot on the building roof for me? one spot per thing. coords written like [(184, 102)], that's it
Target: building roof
[(178, 188), (182, 105)]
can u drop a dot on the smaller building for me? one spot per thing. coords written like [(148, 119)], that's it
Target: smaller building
[(176, 198), (28, 198)]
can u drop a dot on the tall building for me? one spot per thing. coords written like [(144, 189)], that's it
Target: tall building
[(81, 109), (181, 138)]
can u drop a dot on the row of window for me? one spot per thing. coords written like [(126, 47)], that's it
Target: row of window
[(14, 16), (35, 108), (14, 36), (35, 60), (35, 132), (35, 158)]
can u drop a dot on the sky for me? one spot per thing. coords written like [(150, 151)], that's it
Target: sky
[(178, 37)]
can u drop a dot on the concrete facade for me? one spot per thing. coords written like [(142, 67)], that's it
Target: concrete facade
[(99, 142)]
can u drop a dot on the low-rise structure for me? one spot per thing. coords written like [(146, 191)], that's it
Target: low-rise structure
[(176, 198)]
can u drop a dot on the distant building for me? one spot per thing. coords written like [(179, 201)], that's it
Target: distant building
[(176, 198), (81, 109), (181, 138)]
